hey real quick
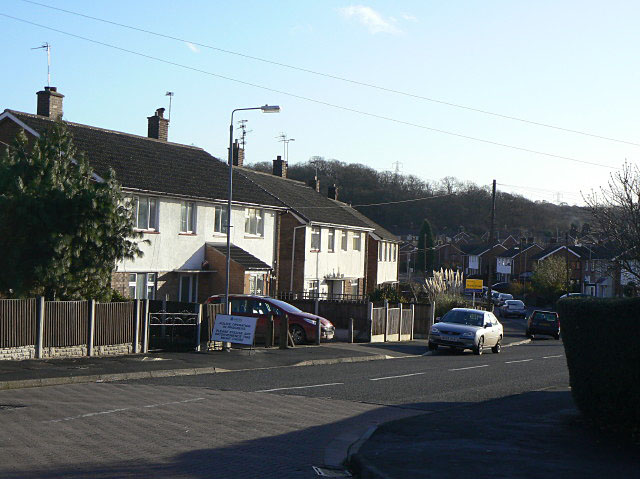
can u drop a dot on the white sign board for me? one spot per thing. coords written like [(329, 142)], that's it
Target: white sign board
[(234, 329)]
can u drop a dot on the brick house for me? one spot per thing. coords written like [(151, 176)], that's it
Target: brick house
[(449, 256), (179, 196), (323, 245), (478, 258), (516, 263)]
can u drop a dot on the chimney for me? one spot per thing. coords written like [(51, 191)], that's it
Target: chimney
[(314, 183), (50, 103), (238, 154), (158, 126), (332, 192), (280, 167)]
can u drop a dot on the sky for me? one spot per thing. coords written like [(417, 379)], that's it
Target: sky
[(571, 64)]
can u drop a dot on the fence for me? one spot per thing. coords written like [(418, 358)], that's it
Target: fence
[(17, 322), (311, 295)]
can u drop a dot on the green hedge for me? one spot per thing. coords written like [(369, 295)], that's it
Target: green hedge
[(602, 345)]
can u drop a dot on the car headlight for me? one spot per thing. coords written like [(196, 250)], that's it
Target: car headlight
[(435, 330), (468, 335), (310, 321)]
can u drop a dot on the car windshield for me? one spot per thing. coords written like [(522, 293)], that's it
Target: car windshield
[(470, 318), (289, 308), (545, 316), (515, 302)]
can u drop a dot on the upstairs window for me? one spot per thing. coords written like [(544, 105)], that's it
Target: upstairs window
[(146, 212), (380, 250), (345, 240), (315, 238), (188, 217), (331, 240), (220, 220), (254, 222), (357, 241)]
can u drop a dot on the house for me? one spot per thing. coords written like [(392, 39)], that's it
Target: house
[(515, 263), (178, 194), (478, 259), (407, 254), (449, 256), (322, 247)]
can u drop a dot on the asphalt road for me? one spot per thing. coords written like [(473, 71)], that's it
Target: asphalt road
[(265, 423)]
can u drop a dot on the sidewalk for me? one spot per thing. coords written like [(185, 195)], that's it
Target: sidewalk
[(531, 435)]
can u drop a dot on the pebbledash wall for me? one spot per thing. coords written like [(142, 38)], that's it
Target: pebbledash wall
[(29, 352)]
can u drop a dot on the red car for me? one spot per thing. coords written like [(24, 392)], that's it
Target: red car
[(301, 325)]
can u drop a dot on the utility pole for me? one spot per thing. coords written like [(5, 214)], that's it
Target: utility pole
[(491, 227), (566, 255), (425, 255)]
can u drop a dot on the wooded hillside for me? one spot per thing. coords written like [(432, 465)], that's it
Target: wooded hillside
[(450, 204)]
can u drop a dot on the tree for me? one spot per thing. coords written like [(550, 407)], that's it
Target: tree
[(62, 230), (549, 279), (426, 253), (616, 214)]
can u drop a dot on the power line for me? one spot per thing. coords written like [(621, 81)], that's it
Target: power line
[(339, 78), (312, 100)]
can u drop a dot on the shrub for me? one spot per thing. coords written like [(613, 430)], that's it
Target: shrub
[(390, 294), (447, 301), (603, 355)]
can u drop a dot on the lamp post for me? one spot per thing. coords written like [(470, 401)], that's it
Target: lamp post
[(265, 109)]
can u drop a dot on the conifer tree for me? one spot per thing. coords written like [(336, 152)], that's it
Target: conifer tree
[(62, 229), (426, 253)]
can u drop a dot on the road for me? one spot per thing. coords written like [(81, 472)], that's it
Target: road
[(263, 423)]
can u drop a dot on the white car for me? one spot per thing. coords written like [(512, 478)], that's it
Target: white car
[(463, 328)]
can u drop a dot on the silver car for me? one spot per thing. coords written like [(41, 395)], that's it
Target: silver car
[(463, 328), (513, 307)]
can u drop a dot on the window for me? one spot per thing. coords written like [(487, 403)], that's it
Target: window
[(256, 284), (353, 287), (313, 288), (188, 288), (386, 251), (220, 220), (345, 236), (331, 240), (357, 240), (254, 222), (146, 212), (188, 217), (380, 251), (142, 285), (315, 238), (395, 253)]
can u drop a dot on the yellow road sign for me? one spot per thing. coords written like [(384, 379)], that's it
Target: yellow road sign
[(474, 285)]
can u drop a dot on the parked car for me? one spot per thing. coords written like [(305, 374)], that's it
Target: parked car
[(463, 328), (543, 322), (302, 326), (513, 307), (501, 287), (501, 298), (576, 295)]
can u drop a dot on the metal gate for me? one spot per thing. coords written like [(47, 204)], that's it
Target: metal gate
[(174, 326)]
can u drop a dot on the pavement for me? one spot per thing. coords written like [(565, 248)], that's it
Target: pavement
[(537, 434)]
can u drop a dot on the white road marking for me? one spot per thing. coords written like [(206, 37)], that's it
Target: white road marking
[(549, 357), (111, 411), (470, 367), (394, 377), (518, 361), (297, 387)]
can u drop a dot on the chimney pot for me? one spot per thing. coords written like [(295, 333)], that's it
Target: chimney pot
[(50, 103), (238, 154), (158, 126), (332, 192), (315, 183), (280, 167)]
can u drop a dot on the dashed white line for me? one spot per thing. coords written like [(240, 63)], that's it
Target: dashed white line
[(470, 367), (297, 387), (111, 411), (518, 361), (394, 377), (555, 356)]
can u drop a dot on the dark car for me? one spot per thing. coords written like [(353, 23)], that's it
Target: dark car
[(302, 326), (543, 322)]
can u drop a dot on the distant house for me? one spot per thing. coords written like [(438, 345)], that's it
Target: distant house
[(479, 258), (179, 194), (449, 256), (515, 263)]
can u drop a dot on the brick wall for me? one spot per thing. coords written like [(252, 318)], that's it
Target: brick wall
[(238, 283), (372, 264), (287, 224)]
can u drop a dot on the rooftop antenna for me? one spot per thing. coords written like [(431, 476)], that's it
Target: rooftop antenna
[(242, 124), (46, 46), (170, 95), (285, 146)]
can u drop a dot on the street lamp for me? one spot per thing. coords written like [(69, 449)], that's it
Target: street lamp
[(265, 109)]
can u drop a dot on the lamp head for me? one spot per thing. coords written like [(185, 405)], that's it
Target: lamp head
[(270, 109)]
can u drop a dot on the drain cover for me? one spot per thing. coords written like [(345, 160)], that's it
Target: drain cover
[(326, 472), (4, 407)]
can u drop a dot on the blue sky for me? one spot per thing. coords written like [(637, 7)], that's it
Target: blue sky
[(571, 64)]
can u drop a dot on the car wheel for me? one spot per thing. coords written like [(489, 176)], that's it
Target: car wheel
[(477, 350), (557, 336), (432, 347), (528, 334), (298, 334), (498, 347)]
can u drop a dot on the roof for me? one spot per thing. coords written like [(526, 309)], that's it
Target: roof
[(552, 249), (516, 250), (157, 166), (240, 256), (378, 230), (477, 250), (304, 200)]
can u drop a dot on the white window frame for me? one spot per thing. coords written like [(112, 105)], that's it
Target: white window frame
[(316, 238), (357, 241), (148, 284), (254, 281), (254, 222), (380, 243), (193, 287), (188, 211), (151, 223), (220, 219), (331, 240), (344, 244)]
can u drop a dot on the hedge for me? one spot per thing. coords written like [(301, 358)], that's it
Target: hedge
[(602, 344)]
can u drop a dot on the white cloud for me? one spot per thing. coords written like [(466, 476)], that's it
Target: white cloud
[(409, 18), (192, 47), (371, 19)]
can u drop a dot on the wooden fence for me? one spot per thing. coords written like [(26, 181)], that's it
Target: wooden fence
[(17, 322), (115, 323)]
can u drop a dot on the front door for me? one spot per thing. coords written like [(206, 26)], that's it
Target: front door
[(188, 288)]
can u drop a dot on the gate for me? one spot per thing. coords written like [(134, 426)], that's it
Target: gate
[(174, 326)]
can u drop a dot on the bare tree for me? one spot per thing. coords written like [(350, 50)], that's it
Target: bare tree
[(616, 214)]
